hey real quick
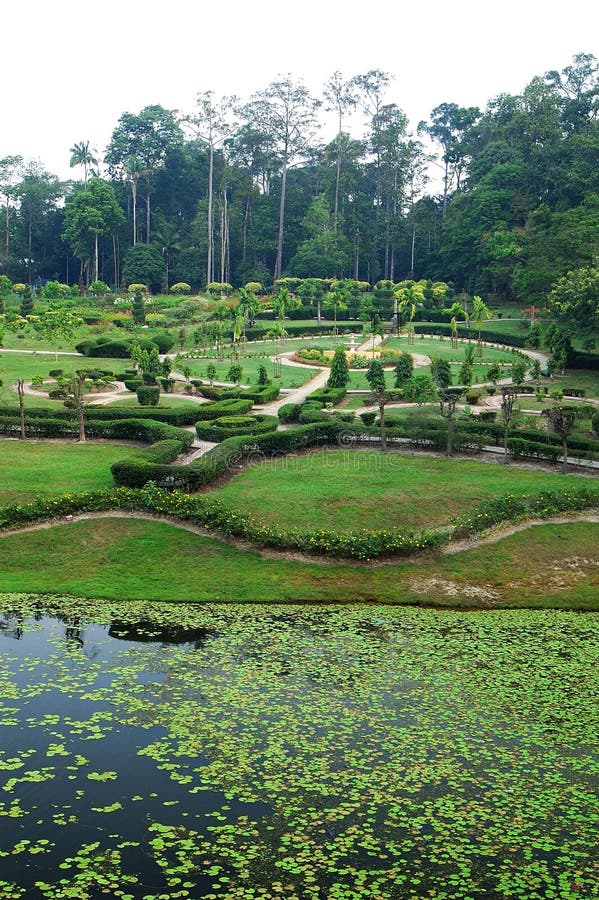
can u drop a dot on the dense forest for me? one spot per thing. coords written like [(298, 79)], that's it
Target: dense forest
[(247, 191)]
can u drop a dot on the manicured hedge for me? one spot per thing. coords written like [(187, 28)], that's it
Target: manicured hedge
[(225, 456), (494, 337), (326, 395), (232, 407), (135, 429), (216, 393), (232, 426), (289, 412), (262, 394), (175, 416), (148, 395)]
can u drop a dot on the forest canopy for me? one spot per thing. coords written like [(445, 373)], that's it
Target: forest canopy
[(247, 191)]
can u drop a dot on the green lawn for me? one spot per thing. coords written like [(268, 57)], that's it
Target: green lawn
[(30, 469), (26, 365), (345, 489), (127, 559)]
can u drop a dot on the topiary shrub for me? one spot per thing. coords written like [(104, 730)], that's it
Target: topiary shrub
[(56, 373), (137, 288), (132, 384), (368, 417), (325, 395), (181, 288), (472, 397), (148, 395), (230, 426), (289, 412)]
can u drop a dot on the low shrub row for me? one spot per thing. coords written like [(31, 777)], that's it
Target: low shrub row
[(495, 337), (134, 429), (210, 512), (513, 508), (214, 410), (177, 416)]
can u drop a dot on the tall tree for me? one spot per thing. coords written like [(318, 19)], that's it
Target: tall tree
[(341, 98), (90, 213), (450, 127), (286, 113), (10, 174), (147, 136), (212, 125)]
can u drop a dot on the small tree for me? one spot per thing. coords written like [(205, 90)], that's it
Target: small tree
[(494, 373), (234, 374), (535, 371), (519, 370), (21, 393), (562, 419), (404, 369), (375, 376), (211, 372), (76, 391), (508, 397), (263, 378), (480, 312), (339, 375), (448, 399), (441, 372), (466, 375)]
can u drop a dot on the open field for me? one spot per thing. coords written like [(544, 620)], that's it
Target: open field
[(546, 566)]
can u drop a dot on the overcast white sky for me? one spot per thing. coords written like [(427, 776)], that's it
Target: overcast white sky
[(70, 69)]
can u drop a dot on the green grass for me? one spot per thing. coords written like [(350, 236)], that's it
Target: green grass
[(25, 365), (127, 559), (31, 469), (167, 401), (344, 489), (291, 376)]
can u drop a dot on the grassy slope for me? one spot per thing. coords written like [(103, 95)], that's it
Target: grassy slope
[(115, 558), (351, 489), (31, 469)]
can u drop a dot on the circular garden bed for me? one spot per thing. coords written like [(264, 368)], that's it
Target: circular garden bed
[(235, 426)]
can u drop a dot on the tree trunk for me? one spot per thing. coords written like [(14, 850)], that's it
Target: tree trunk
[(383, 433), (134, 201), (210, 260), (279, 260), (96, 256), (449, 435), (21, 392), (148, 177)]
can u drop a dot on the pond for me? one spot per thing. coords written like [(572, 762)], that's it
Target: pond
[(160, 751)]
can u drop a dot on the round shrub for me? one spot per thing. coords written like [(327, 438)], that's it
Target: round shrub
[(232, 426), (148, 395), (56, 373), (181, 288), (368, 417), (472, 397), (135, 288), (163, 340)]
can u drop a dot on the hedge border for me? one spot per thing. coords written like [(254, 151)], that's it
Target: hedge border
[(364, 545)]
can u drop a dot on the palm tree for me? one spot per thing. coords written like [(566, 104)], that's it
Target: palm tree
[(456, 311), (168, 239), (82, 155), (480, 312), (406, 306), (237, 316)]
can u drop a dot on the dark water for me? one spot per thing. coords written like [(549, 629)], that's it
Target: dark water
[(155, 751)]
